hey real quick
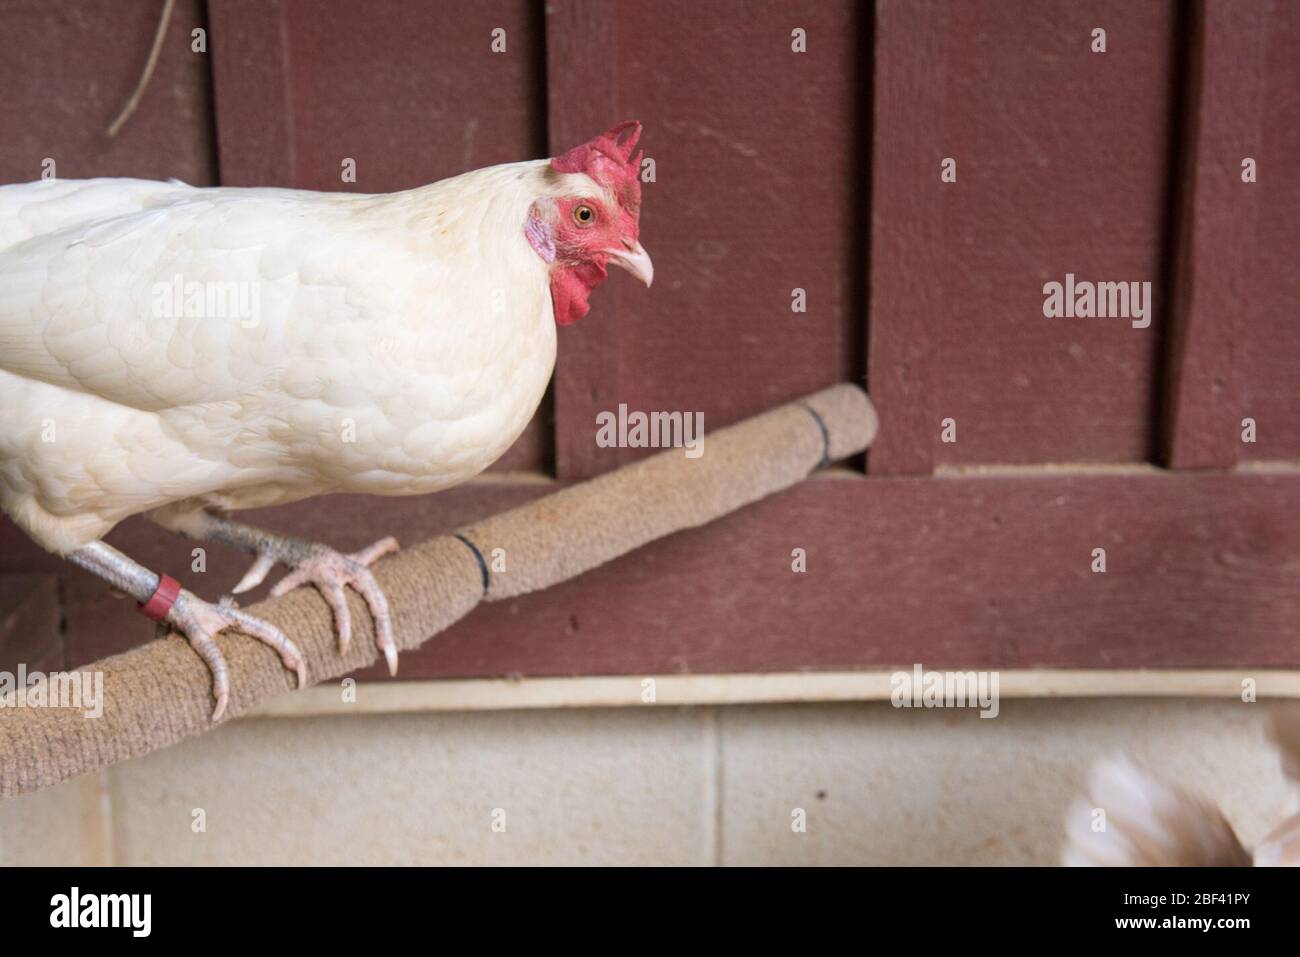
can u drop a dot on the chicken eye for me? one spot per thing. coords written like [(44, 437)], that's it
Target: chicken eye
[(584, 215)]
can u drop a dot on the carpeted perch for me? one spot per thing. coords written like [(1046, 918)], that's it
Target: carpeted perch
[(159, 693)]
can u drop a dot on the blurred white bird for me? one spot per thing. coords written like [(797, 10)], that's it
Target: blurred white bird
[(1152, 823), (188, 352)]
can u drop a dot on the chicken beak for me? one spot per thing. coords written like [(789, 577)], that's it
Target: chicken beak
[(633, 258)]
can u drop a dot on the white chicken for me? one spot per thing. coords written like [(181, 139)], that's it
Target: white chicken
[(188, 352)]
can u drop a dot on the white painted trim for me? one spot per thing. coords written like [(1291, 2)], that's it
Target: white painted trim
[(620, 691)]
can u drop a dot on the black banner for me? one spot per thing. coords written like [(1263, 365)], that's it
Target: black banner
[(332, 906)]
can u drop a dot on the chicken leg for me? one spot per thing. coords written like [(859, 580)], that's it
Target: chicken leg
[(310, 563), (162, 599)]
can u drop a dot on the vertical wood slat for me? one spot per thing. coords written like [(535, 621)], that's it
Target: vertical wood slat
[(906, 220), (1217, 234), (413, 93), (1268, 365), (1061, 156), (582, 100), (762, 171), (250, 67)]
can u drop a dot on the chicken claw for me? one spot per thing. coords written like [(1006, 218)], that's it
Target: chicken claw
[(162, 599), (200, 621), (330, 571), (309, 563)]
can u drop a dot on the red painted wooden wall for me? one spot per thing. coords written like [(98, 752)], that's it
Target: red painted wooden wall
[(820, 171)]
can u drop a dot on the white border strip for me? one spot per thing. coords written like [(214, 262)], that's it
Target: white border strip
[(481, 694)]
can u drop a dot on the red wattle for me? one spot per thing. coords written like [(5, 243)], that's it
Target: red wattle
[(571, 288)]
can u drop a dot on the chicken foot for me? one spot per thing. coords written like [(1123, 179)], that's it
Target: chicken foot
[(310, 563), (162, 599)]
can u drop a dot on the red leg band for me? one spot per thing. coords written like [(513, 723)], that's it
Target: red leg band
[(163, 598)]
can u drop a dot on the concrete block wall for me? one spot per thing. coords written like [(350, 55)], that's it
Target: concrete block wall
[(654, 785)]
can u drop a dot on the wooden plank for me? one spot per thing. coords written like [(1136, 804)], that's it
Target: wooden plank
[(412, 92), (977, 571), (1268, 370), (973, 572), (1225, 114), (1061, 168), (250, 73), (760, 175), (67, 71), (582, 100), (907, 218), (801, 687)]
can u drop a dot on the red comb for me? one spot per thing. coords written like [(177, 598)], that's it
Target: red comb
[(608, 161)]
